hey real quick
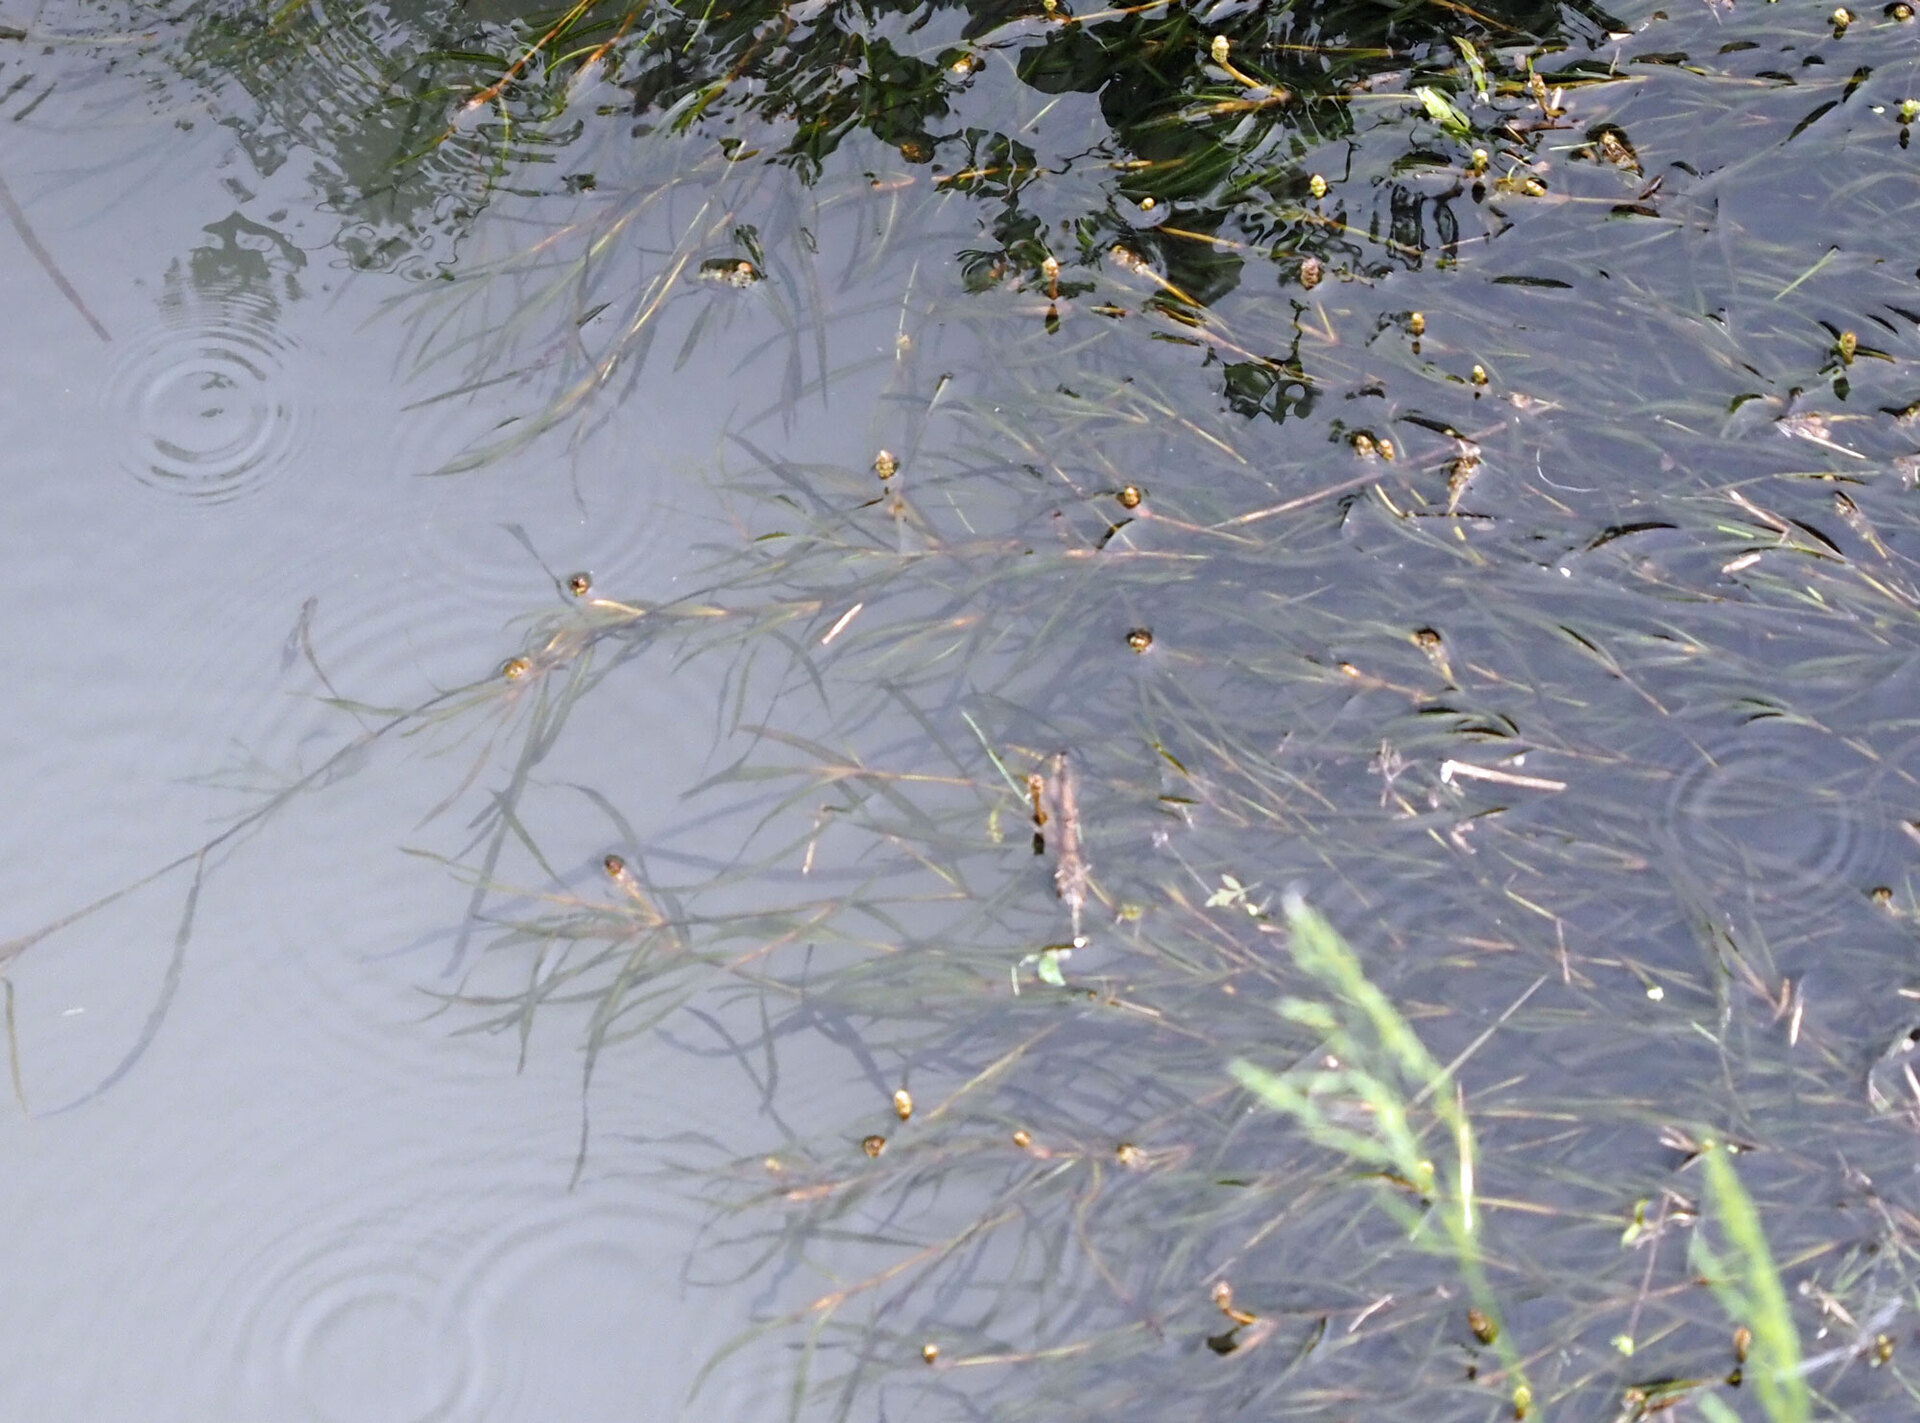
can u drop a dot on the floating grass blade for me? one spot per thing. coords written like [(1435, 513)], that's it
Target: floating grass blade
[(1747, 1283)]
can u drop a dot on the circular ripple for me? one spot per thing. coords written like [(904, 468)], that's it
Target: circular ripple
[(1784, 809), (208, 410), (358, 1331), (575, 1307)]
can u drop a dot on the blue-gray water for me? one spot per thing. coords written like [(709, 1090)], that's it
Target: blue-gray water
[(1587, 715)]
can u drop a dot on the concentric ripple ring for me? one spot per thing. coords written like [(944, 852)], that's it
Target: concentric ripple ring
[(206, 407)]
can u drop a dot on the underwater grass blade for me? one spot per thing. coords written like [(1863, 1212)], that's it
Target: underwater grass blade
[(1747, 1283)]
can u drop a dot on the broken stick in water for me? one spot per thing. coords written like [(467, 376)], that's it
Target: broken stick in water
[(1070, 866)]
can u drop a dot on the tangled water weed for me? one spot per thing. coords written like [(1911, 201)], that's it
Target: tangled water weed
[(1447, 460)]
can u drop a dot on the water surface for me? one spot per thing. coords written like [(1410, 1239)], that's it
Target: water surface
[(1456, 465)]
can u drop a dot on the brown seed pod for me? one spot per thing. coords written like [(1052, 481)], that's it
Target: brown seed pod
[(1037, 798), (1362, 443), (1483, 1327), (903, 1104), (614, 866), (1742, 1341), (514, 668), (1021, 1139), (930, 1353), (1386, 449), (1130, 497), (1140, 639), (873, 1145), (580, 584)]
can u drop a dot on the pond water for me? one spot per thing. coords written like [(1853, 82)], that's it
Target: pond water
[(679, 674)]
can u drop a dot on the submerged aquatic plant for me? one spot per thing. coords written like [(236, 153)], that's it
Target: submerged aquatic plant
[(1374, 1062), (1475, 592)]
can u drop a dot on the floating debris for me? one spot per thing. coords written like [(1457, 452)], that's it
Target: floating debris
[(1130, 497), (735, 272), (514, 668), (1612, 145), (873, 1145), (1070, 869), (885, 465), (1450, 771), (1140, 639), (902, 1104), (580, 584), (1814, 430), (1460, 471)]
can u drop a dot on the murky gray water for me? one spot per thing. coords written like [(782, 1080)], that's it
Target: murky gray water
[(1560, 643)]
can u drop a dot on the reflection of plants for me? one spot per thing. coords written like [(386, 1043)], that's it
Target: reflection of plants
[(1203, 157)]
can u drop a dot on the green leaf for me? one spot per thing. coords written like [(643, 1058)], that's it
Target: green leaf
[(1475, 68), (1441, 110)]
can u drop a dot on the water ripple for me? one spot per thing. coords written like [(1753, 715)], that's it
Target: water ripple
[(1784, 806), (208, 410)]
